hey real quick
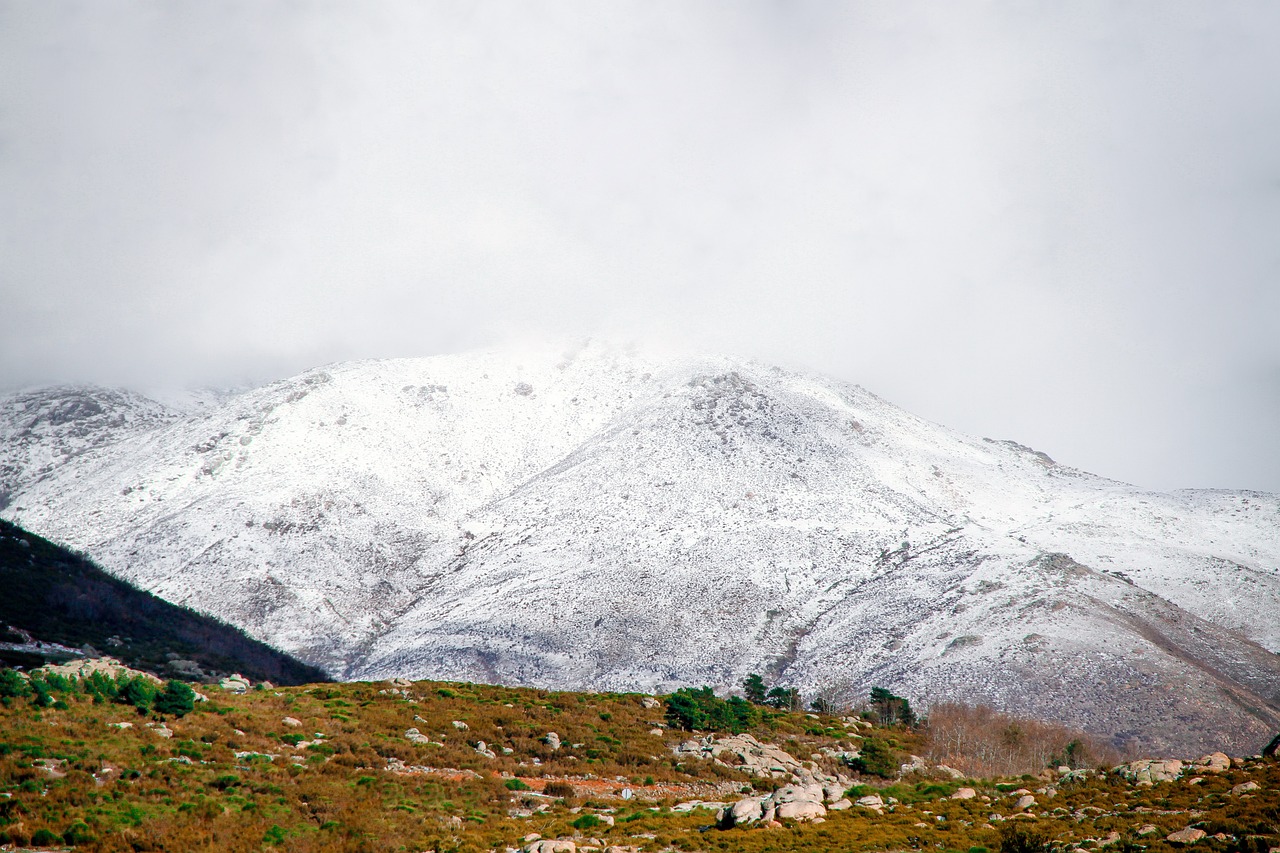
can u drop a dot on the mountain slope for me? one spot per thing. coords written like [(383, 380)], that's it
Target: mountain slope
[(55, 596), (621, 520)]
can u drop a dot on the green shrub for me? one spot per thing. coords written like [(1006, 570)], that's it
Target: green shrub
[(699, 709), (177, 698), (78, 833), (137, 692), (586, 821), (1022, 837), (44, 838), (13, 684), (515, 785), (876, 758)]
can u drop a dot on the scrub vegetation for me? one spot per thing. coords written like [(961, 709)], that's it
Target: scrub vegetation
[(462, 767)]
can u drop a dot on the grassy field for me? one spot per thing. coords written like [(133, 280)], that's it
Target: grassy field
[(330, 767)]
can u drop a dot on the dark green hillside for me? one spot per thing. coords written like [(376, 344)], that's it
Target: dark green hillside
[(57, 596)]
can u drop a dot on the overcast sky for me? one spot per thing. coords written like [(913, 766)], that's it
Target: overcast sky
[(1052, 222)]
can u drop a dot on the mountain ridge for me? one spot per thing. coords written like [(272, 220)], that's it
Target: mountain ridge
[(618, 520)]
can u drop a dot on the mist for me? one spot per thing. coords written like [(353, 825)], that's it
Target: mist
[(1046, 222)]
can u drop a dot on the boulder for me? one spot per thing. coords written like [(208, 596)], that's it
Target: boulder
[(1148, 829), (552, 845), (552, 740), (798, 794), (460, 726), (840, 805), (1217, 762), (293, 722), (1245, 787), (650, 702), (914, 764), (800, 810), (832, 792), (482, 748), (949, 771), (744, 811), (1185, 836), (415, 736), (871, 801), (964, 794), (1026, 801)]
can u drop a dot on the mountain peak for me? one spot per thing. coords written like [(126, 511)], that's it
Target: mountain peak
[(608, 517)]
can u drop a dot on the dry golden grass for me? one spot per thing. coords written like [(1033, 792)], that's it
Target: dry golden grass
[(72, 776)]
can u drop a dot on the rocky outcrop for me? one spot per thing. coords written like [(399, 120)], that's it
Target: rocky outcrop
[(85, 667), (791, 802), (768, 761), (235, 683), (1217, 762), (1151, 771)]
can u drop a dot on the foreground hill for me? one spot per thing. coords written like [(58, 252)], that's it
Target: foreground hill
[(469, 768), (55, 601), (617, 520)]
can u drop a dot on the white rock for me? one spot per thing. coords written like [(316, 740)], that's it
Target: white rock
[(800, 810)]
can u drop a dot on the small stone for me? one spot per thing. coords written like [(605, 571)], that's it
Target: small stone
[(1148, 829), (292, 721), (460, 726)]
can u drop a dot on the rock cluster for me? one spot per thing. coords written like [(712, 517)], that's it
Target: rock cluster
[(85, 667), (792, 802), (1151, 771), (235, 683), (743, 752)]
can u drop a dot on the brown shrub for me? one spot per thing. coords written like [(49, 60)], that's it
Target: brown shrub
[(981, 741)]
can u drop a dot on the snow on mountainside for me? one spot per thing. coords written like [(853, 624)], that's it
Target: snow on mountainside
[(611, 519)]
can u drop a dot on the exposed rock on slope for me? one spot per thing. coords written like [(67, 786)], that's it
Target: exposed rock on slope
[(614, 520)]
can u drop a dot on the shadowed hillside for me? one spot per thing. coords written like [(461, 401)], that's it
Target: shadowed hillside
[(56, 596)]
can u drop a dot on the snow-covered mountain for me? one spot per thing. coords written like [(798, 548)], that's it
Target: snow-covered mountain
[(612, 519)]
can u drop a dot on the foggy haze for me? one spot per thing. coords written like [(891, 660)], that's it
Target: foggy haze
[(1054, 223)]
